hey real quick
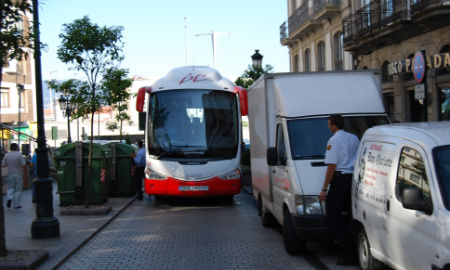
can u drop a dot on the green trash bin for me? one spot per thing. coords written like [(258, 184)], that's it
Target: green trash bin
[(121, 177), (71, 162)]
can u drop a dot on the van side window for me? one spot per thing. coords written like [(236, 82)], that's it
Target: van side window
[(412, 174), (281, 148)]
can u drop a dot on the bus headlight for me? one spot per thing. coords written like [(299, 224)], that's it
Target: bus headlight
[(308, 205), (149, 174), (234, 174)]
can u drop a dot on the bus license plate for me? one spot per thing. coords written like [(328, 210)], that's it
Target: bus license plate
[(193, 188)]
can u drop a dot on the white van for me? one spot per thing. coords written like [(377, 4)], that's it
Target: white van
[(401, 196), (288, 127)]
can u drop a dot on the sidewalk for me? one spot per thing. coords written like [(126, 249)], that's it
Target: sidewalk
[(74, 230)]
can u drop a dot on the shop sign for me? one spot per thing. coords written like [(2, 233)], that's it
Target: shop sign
[(436, 61)]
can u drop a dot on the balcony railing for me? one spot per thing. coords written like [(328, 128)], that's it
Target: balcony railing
[(373, 16), (419, 5), (303, 13), (283, 32), (380, 14)]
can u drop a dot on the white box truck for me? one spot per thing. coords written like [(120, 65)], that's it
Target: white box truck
[(288, 114)]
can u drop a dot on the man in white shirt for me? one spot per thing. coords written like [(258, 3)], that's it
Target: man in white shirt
[(340, 157), (17, 168)]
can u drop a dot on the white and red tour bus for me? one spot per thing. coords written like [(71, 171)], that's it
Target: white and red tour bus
[(193, 133)]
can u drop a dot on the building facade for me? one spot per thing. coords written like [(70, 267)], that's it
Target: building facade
[(383, 35), (387, 35), (313, 34), (17, 97)]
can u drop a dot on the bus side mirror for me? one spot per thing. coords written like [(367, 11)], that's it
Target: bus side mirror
[(243, 101), (140, 99)]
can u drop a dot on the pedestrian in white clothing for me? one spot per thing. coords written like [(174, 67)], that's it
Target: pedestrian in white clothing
[(17, 169)]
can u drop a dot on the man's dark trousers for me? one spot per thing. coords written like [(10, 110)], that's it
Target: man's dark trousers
[(138, 178), (339, 201)]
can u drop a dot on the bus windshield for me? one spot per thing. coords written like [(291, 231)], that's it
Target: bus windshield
[(309, 136), (193, 123)]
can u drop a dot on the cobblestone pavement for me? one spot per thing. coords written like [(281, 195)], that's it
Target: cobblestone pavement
[(195, 234)]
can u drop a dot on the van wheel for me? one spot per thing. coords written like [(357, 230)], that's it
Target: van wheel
[(267, 219), (292, 244), (366, 261)]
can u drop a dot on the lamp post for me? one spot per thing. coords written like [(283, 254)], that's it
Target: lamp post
[(45, 225), (20, 89), (67, 107), (257, 59)]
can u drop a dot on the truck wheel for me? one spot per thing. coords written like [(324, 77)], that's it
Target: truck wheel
[(292, 244), (366, 261), (267, 219)]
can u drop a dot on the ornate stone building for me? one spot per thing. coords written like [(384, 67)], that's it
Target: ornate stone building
[(382, 35), (386, 34), (314, 35)]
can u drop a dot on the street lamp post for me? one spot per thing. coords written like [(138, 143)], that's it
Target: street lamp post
[(257, 59), (67, 107), (45, 225), (20, 89)]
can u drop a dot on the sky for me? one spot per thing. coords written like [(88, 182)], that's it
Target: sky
[(154, 33)]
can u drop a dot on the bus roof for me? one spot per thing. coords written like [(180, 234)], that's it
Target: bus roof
[(193, 77)]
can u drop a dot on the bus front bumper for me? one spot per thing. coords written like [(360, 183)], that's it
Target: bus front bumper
[(205, 188)]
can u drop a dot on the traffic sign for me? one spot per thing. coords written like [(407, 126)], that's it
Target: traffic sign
[(419, 68)]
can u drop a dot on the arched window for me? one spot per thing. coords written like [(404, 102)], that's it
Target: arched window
[(385, 77), (338, 51), (307, 60), (321, 56)]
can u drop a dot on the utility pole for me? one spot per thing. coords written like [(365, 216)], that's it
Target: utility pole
[(213, 40), (186, 51)]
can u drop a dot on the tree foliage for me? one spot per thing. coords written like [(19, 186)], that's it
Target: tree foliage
[(77, 92), (92, 50), (115, 84), (13, 39), (251, 74)]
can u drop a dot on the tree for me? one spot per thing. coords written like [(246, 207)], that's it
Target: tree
[(78, 92), (115, 85), (251, 74), (13, 43), (92, 50)]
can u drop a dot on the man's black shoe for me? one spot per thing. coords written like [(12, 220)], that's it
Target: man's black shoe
[(8, 203), (342, 261), (139, 198)]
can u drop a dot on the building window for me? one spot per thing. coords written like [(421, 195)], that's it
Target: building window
[(293, 6), (338, 51), (295, 69), (321, 56), (307, 60), (385, 77), (4, 92), (444, 103)]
